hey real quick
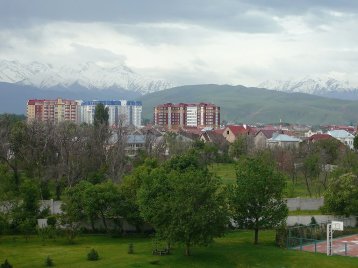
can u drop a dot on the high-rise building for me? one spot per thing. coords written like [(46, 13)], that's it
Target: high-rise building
[(120, 111), (173, 116), (52, 110)]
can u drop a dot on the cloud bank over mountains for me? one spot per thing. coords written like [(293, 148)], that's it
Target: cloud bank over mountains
[(188, 42)]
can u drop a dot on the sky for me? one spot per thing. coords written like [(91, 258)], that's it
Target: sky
[(188, 41)]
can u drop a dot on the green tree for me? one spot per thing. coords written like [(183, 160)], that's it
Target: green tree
[(311, 170), (239, 147), (103, 201), (341, 197), (26, 211), (256, 198), (184, 202), (355, 142), (101, 115), (129, 189), (73, 209)]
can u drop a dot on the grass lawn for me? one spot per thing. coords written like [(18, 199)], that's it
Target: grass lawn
[(304, 212), (226, 171), (233, 250)]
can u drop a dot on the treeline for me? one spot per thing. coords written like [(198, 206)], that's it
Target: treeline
[(167, 184)]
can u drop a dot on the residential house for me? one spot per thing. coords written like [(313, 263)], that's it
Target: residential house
[(135, 143), (231, 132), (262, 136), (344, 136), (284, 141), (318, 137)]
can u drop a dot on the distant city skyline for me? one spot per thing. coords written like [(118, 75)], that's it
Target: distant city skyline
[(189, 42)]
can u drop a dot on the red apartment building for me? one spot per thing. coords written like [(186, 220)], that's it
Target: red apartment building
[(174, 116), (52, 110)]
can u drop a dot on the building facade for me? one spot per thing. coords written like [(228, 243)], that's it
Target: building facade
[(174, 116), (53, 111), (120, 111)]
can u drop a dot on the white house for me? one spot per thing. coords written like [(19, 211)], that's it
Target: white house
[(343, 136), (283, 140)]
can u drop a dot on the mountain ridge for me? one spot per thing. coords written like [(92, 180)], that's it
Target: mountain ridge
[(88, 75), (322, 86), (240, 104)]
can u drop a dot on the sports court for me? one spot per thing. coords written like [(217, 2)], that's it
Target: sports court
[(346, 246), (315, 237)]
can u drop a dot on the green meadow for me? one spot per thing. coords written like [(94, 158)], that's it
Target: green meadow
[(235, 249)]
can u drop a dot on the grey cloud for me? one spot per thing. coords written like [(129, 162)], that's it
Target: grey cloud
[(230, 15), (87, 53)]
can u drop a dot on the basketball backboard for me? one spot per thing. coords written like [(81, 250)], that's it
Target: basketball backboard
[(337, 225)]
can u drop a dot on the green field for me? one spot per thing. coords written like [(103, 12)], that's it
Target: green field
[(233, 250), (226, 171)]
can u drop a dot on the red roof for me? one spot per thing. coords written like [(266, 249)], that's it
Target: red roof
[(317, 137), (240, 129), (268, 133), (219, 131)]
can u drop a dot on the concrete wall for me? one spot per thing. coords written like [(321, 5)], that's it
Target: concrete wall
[(54, 206), (305, 220), (304, 203), (292, 203)]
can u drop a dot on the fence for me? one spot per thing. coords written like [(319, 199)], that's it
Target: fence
[(312, 238)]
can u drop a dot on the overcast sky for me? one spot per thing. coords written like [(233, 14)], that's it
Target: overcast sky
[(188, 41)]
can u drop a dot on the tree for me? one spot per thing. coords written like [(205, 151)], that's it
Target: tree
[(341, 197), (25, 212), (101, 115), (355, 142), (311, 170), (184, 202), (103, 201), (240, 146), (256, 199), (73, 209), (129, 189)]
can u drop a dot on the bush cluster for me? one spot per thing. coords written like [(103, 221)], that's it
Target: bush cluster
[(92, 255)]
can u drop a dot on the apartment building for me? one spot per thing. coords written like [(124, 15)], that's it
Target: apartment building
[(120, 111), (174, 116), (54, 111)]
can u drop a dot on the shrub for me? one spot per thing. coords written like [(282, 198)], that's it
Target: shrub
[(51, 220), (92, 255), (6, 264), (155, 262), (130, 248), (313, 221), (48, 262), (281, 236)]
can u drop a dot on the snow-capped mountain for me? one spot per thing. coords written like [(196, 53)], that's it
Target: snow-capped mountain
[(88, 75), (311, 85)]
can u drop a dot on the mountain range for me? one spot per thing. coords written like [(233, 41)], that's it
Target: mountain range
[(321, 86), (20, 82), (241, 104), (88, 75)]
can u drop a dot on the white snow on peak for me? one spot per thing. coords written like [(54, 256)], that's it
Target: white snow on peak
[(310, 85), (88, 75)]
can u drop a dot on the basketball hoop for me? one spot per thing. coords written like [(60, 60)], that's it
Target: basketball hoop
[(333, 226)]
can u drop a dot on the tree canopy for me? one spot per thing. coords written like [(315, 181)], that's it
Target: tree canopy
[(101, 115), (256, 198), (184, 202), (341, 197)]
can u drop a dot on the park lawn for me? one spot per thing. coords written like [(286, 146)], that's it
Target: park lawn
[(227, 173), (304, 212), (235, 249)]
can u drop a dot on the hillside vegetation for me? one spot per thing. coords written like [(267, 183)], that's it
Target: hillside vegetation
[(255, 105)]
